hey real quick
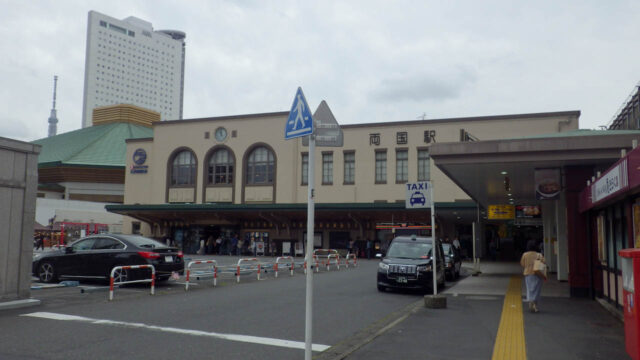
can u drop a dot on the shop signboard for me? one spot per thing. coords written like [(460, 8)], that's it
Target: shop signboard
[(548, 184), (613, 181), (259, 247), (528, 211), (501, 212)]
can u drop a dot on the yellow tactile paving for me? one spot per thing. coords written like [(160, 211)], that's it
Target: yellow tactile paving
[(510, 344)]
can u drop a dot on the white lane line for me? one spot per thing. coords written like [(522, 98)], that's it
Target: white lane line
[(231, 337)]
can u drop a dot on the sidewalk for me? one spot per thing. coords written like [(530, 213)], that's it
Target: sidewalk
[(565, 328)]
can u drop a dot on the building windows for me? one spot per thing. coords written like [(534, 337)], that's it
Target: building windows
[(260, 166), (402, 165), (381, 166), (220, 169), (327, 168), (183, 169), (349, 167), (304, 175), (424, 173)]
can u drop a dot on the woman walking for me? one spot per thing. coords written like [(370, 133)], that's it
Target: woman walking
[(532, 281)]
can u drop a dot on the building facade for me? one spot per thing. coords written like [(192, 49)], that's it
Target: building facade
[(127, 62), (237, 174), (610, 206)]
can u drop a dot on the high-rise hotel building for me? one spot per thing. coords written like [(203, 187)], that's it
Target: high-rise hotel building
[(127, 62)]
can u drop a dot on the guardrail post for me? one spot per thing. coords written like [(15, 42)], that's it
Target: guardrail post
[(111, 286), (153, 281)]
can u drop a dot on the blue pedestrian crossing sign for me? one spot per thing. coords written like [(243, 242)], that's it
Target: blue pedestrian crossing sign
[(300, 121)]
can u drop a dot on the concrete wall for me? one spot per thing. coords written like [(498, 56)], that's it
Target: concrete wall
[(18, 185)]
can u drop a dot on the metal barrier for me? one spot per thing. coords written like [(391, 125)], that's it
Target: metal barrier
[(130, 267), (288, 259), (336, 262), (328, 254), (250, 268), (351, 256), (315, 262), (213, 272)]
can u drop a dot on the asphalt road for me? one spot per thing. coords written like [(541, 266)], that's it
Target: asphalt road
[(250, 320)]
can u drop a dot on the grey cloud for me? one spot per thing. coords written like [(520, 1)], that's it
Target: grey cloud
[(424, 87)]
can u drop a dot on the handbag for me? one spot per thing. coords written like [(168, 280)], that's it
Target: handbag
[(540, 268)]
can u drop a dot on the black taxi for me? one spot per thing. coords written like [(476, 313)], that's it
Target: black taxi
[(407, 264)]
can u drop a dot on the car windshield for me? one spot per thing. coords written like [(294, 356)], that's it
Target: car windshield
[(143, 242), (409, 250)]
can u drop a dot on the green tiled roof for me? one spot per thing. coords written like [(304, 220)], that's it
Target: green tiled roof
[(101, 145)]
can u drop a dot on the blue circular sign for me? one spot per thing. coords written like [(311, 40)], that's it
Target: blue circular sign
[(140, 156)]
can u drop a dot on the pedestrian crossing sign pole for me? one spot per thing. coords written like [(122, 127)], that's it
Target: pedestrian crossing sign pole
[(300, 123)]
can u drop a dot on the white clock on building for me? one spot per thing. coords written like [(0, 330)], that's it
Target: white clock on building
[(221, 134)]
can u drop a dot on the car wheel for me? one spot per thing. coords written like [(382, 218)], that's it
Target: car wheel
[(46, 272), (381, 288), (120, 275)]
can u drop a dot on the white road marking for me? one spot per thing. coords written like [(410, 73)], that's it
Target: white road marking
[(231, 337)]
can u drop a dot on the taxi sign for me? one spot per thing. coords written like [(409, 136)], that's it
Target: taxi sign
[(300, 121), (418, 195)]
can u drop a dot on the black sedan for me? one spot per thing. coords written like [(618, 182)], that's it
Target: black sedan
[(94, 257)]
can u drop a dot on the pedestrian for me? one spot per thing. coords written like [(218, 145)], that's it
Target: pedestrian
[(210, 245), (40, 242), (493, 249), (456, 243), (532, 281), (368, 249), (235, 249), (219, 244), (349, 246)]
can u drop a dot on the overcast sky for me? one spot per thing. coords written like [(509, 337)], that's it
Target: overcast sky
[(371, 60)]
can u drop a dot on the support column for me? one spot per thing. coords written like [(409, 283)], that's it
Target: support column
[(562, 260), (549, 233)]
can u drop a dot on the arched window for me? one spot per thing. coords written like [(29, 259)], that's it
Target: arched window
[(183, 169), (260, 166), (220, 169)]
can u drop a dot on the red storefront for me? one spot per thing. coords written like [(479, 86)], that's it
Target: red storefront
[(611, 204)]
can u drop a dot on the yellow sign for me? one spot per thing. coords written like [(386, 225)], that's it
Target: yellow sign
[(501, 212)]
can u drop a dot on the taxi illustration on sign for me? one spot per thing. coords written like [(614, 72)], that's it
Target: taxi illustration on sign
[(417, 198)]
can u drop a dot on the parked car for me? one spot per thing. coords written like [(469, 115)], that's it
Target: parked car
[(94, 256), (452, 260), (407, 264)]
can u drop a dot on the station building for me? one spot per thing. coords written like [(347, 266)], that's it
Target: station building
[(229, 175)]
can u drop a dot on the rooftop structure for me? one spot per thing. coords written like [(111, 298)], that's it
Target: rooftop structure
[(127, 62), (53, 118)]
